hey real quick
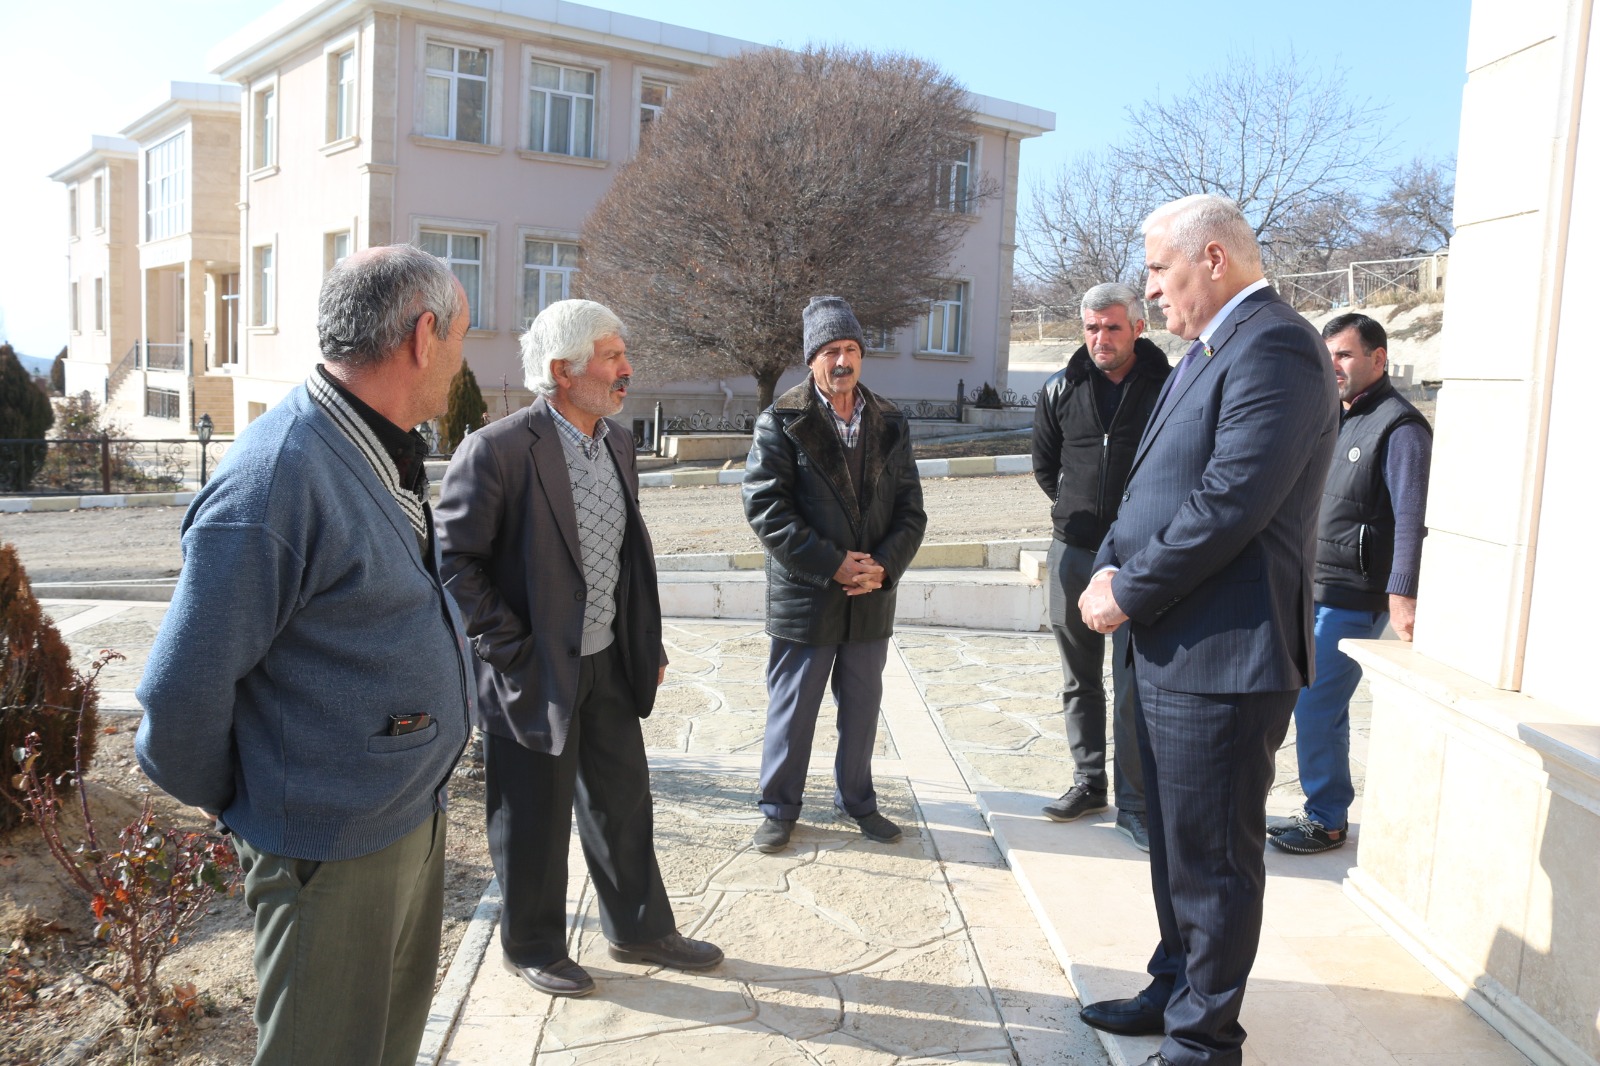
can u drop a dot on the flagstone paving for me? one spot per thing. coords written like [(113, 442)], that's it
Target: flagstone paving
[(842, 952)]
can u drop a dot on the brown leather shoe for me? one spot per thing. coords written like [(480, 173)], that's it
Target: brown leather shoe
[(560, 978), (673, 950)]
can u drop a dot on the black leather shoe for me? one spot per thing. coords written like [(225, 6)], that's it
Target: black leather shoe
[(1158, 1059), (1126, 1017), (560, 978), (674, 950)]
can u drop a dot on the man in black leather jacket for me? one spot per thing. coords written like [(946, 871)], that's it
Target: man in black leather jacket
[(1089, 419), (831, 490)]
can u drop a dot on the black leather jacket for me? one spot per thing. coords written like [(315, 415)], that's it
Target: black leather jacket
[(803, 505)]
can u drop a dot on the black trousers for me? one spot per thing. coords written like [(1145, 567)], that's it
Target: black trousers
[(529, 797), (1208, 764)]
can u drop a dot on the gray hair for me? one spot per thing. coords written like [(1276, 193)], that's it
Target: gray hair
[(371, 303), (1113, 294), (1195, 221), (567, 329)]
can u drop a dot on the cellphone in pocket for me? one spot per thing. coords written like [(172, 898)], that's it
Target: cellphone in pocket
[(401, 724)]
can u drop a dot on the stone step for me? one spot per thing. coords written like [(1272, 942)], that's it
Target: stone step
[(968, 597)]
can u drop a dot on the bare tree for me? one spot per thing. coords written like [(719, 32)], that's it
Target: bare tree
[(1280, 139), (1415, 213), (1082, 226), (771, 178)]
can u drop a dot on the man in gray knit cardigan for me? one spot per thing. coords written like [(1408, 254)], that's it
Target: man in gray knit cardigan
[(309, 686)]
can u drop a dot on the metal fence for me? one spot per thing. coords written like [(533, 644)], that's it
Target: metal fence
[(1365, 283), (75, 466)]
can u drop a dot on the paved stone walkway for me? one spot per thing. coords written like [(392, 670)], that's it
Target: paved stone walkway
[(955, 944)]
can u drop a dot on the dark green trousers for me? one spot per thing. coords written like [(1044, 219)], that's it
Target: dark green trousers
[(346, 951)]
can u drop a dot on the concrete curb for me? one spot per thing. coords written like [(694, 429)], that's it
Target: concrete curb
[(457, 983), (971, 466)]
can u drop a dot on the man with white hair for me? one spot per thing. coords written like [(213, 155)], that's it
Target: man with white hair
[(547, 555), (1209, 565)]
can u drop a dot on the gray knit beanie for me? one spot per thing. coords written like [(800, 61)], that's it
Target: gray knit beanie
[(828, 319)]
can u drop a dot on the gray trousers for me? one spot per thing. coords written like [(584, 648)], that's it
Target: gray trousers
[(797, 676), (529, 799), (346, 951), (1083, 694)]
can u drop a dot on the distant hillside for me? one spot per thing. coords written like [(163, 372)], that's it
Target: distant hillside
[(37, 365)]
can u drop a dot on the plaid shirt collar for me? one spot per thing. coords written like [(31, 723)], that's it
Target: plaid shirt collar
[(849, 428), (590, 445)]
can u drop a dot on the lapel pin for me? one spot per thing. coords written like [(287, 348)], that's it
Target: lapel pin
[(1209, 351)]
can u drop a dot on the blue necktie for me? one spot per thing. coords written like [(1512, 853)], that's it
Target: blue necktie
[(1177, 376)]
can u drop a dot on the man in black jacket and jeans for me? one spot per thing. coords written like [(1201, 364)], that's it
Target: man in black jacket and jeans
[(1086, 426), (832, 491)]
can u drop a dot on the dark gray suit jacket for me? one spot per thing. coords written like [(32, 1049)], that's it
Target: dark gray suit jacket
[(508, 532), (1216, 536)]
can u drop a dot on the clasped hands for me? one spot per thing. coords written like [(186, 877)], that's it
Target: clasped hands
[(1099, 606), (859, 574)]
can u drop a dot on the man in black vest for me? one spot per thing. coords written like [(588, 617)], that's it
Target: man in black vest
[(1369, 551), (1085, 428)]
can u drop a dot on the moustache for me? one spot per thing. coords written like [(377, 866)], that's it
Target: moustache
[(621, 384), (840, 372)]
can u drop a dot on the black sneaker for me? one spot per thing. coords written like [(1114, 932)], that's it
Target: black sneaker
[(873, 826), (1308, 836), (1074, 803), (1131, 825), (773, 835), (1282, 823)]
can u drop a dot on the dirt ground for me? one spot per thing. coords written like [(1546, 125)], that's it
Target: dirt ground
[(142, 542)]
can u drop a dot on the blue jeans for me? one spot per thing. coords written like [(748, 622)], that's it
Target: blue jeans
[(1322, 714)]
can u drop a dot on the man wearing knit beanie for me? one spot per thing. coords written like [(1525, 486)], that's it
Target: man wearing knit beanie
[(831, 490)]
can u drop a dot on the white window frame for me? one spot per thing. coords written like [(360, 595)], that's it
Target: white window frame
[(483, 306), (172, 216), (330, 247), (342, 125), (944, 177), (74, 312), (100, 185), (602, 103), (100, 305), (526, 309), (672, 81), (265, 110), (496, 48), (940, 307), (889, 339), (264, 286)]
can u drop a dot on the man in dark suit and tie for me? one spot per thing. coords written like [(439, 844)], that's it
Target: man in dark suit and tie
[(1209, 564), (547, 555)]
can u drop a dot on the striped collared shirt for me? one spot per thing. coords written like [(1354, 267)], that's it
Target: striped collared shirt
[(348, 419), (849, 428), (590, 445)]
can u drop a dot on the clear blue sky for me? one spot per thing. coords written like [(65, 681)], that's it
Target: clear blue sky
[(1084, 61)]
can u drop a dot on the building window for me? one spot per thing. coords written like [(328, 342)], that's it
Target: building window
[(653, 96), (952, 182), (561, 110), (73, 315), (99, 305), (266, 118), (456, 95), (879, 339), (228, 320), (72, 210), (464, 253), (341, 94), (335, 249), (940, 329), (166, 168), (161, 403), (99, 202), (548, 268), (263, 274)]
